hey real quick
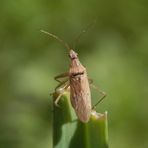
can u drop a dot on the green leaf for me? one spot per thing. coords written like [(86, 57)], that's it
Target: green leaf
[(69, 132)]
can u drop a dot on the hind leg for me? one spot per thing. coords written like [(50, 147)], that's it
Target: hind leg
[(99, 90)]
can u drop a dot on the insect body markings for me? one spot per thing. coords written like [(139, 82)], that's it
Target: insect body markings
[(79, 88), (78, 83)]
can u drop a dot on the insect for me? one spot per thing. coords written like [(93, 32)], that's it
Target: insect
[(79, 84)]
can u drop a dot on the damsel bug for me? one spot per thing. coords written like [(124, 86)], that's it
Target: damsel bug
[(79, 84)]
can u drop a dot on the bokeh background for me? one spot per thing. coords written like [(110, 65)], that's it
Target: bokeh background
[(114, 50)]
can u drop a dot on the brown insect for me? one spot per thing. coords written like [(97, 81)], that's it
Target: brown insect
[(78, 83)]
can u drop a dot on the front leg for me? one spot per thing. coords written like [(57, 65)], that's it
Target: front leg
[(61, 82), (61, 87), (63, 75)]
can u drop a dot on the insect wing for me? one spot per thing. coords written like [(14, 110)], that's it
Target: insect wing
[(80, 96)]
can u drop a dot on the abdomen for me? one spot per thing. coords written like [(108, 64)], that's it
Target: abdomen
[(80, 97)]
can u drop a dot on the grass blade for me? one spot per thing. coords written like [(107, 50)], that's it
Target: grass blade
[(69, 132)]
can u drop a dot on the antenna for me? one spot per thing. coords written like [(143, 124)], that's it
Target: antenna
[(91, 25), (57, 38)]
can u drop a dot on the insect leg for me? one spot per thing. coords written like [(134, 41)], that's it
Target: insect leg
[(61, 92), (61, 89), (57, 99), (63, 75), (61, 84), (101, 92)]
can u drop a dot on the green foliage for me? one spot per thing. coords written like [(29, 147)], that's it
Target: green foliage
[(69, 132)]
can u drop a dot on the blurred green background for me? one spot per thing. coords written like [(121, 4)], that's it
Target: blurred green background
[(115, 52)]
